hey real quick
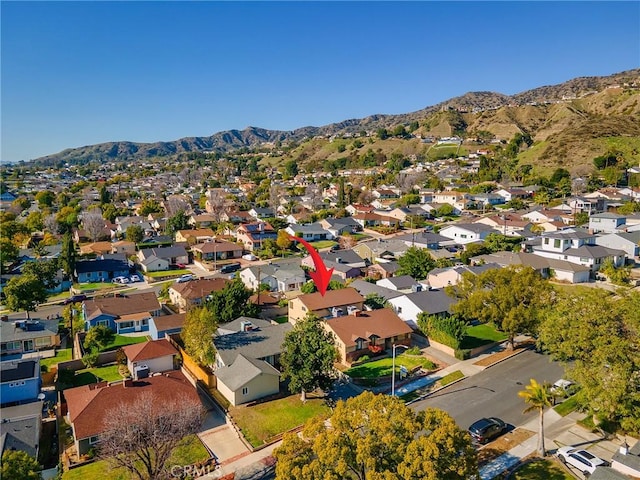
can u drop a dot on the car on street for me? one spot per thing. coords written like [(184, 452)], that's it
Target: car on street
[(563, 388), (581, 459), (186, 278), (135, 278), (74, 299), (486, 429), (231, 267)]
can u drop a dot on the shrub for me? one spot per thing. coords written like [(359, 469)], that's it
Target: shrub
[(462, 354), (90, 359), (44, 368), (65, 376), (414, 351), (364, 358)]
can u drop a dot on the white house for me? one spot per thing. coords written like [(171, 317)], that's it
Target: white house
[(627, 241), (464, 233), (311, 233), (247, 379), (402, 283), (410, 305), (285, 278), (606, 222)]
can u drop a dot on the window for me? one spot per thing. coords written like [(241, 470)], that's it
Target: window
[(93, 440), (399, 309), (126, 324), (43, 341), (103, 322), (359, 344), (546, 241), (556, 243), (463, 235), (245, 390), (145, 321)]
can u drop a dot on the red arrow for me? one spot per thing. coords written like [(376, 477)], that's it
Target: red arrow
[(321, 276)]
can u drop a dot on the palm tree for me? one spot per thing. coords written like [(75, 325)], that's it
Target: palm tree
[(538, 396)]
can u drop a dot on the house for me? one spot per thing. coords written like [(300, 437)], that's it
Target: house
[(344, 257), (384, 194), (197, 235), (442, 277), (340, 226), (365, 288), (334, 303), (260, 213), (21, 428), (343, 272), (122, 223), (577, 246), (246, 380), (164, 325), (356, 208), (382, 270), (464, 233), (91, 405), (364, 333), (509, 194), (508, 224), (459, 201), (432, 302), (150, 258), (192, 294), (123, 247), (122, 313), (367, 220), (215, 250), (251, 235), (402, 283), (236, 217), (100, 270), (627, 460), (606, 222), (380, 250), (487, 199), (626, 241), (203, 220), (586, 205), (20, 381), (279, 278), (96, 248), (150, 357), (430, 240), (25, 336), (608, 473), (311, 233)]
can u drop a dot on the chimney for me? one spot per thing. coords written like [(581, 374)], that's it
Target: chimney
[(624, 448)]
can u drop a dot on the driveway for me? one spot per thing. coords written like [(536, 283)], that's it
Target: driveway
[(220, 438)]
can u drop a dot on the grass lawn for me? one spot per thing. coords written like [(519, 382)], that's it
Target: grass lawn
[(95, 375), (566, 407), (359, 236), (62, 355), (283, 319), (539, 469), (189, 451), (167, 273), (122, 341), (323, 244), (478, 335), (382, 367), (263, 421), (451, 377), (94, 286)]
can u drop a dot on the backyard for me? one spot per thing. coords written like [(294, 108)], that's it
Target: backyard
[(122, 341), (62, 355), (482, 334), (87, 376), (261, 422), (382, 367)]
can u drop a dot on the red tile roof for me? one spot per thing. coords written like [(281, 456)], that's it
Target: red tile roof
[(90, 405), (149, 350)]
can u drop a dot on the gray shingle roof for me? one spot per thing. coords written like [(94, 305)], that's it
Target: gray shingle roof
[(432, 301), (260, 343), (365, 288), (20, 428), (242, 371)]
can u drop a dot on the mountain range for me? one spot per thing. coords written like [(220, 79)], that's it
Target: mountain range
[(569, 122)]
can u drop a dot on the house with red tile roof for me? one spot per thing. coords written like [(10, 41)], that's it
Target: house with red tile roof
[(150, 357), (91, 405)]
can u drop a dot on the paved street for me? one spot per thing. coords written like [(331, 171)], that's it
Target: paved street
[(494, 392)]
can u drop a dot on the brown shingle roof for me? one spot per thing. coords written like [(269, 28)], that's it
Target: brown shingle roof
[(199, 288), (90, 405), (217, 246), (148, 350), (167, 322), (332, 298), (383, 323), (123, 304)]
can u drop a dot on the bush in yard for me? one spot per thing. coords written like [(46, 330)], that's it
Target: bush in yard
[(462, 354), (364, 358), (90, 358), (44, 368), (447, 330), (65, 376), (121, 357), (413, 351)]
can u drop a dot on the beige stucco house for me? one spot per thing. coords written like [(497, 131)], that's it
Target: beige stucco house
[(247, 379), (334, 303)]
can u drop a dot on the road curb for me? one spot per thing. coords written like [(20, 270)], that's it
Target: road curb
[(515, 353), (427, 395)]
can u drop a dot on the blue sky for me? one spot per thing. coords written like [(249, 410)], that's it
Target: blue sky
[(80, 73)]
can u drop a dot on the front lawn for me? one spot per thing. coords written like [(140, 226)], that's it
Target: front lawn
[(382, 367), (123, 341), (83, 287), (62, 355), (568, 406), (539, 469), (323, 244), (167, 273), (263, 421), (479, 335), (283, 319), (450, 378)]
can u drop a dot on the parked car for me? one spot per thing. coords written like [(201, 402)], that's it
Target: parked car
[(250, 256), (486, 429), (135, 278), (231, 267), (74, 299), (583, 460), (335, 248), (186, 278), (563, 388), (121, 280)]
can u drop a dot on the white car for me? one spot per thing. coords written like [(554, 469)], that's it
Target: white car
[(135, 278), (121, 280), (563, 388), (250, 257), (186, 278), (581, 459)]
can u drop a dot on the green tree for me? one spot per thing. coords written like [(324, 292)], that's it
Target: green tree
[(232, 302), (416, 262), (598, 336), (134, 233), (19, 465), (200, 326), (45, 198), (150, 205), (308, 353), (516, 203), (98, 337), (34, 222), (309, 287), (473, 250), (375, 301), (512, 298), (283, 241), (8, 252), (105, 196), (67, 257), (45, 270), (179, 221), (581, 218), (617, 275), (382, 133), (378, 437), (290, 168), (25, 292), (538, 397), (445, 210)]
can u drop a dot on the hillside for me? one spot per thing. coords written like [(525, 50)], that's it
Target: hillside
[(570, 123)]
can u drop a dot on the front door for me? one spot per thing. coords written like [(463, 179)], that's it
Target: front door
[(27, 345)]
